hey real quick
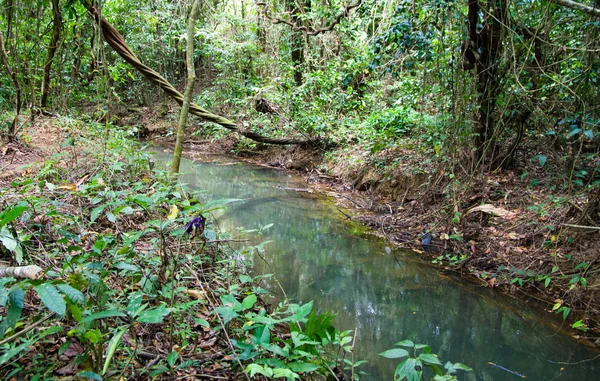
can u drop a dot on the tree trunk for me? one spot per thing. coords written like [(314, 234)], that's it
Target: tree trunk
[(488, 85), (12, 131), (296, 45), (57, 20), (187, 96)]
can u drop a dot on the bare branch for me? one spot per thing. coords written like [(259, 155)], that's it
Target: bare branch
[(309, 31)]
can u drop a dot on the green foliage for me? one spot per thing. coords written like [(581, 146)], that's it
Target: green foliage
[(412, 366)]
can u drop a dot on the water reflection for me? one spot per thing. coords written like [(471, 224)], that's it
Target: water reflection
[(389, 296)]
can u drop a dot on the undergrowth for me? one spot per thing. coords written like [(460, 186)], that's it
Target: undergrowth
[(124, 292)]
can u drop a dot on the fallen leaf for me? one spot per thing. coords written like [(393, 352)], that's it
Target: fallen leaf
[(69, 187), (196, 294), (491, 209)]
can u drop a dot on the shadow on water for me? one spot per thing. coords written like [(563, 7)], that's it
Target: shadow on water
[(387, 295)]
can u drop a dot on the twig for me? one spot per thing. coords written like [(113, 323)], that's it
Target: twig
[(306, 30), (582, 226), (24, 331)]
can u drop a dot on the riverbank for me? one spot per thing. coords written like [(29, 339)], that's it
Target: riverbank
[(129, 277), (516, 231)]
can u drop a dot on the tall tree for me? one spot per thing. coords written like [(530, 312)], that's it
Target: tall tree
[(191, 79), (13, 127), (57, 26)]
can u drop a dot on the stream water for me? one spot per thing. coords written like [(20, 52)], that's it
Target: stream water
[(389, 295)]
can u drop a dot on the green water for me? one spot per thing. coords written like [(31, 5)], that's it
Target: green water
[(387, 295)]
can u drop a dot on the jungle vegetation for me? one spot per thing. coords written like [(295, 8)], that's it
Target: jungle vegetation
[(472, 94)]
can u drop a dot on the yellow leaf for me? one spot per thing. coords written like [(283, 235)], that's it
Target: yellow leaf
[(173, 213), (69, 187), (553, 238)]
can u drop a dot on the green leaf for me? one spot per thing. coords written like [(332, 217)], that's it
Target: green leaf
[(96, 212), (154, 315), (248, 301), (103, 315), (50, 296), (7, 239), (14, 351), (429, 358), (288, 374), (12, 214), (172, 358), (73, 293), (201, 322), (112, 348), (90, 375), (226, 313), (245, 279), (406, 343), (127, 267), (254, 369), (395, 353), (299, 366)]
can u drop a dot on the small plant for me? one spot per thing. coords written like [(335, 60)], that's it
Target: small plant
[(412, 366)]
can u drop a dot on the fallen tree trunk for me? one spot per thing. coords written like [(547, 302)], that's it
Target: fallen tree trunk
[(117, 42)]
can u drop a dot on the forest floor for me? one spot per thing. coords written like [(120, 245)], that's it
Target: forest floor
[(140, 302), (515, 231)]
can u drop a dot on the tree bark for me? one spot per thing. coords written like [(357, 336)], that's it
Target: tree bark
[(489, 42), (296, 44), (189, 89), (57, 26), (13, 127)]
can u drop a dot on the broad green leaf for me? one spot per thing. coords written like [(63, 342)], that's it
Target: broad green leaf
[(172, 358), (254, 369), (285, 373), (406, 343), (226, 313), (127, 266), (73, 293), (394, 353), (153, 315), (50, 296), (245, 279), (429, 358), (12, 214), (96, 212), (113, 344), (248, 301), (299, 366), (103, 315), (7, 239)]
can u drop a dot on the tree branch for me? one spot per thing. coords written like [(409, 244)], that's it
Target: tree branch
[(592, 11), (304, 29)]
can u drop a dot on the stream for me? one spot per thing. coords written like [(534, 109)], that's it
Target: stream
[(388, 295)]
